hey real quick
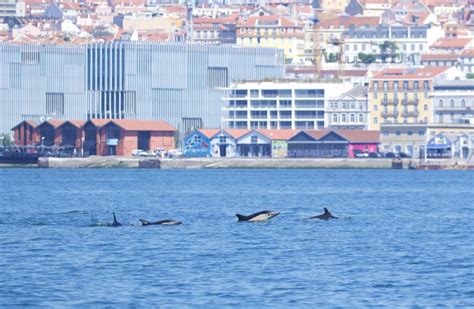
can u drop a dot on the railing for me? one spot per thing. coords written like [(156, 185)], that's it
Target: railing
[(390, 114), (410, 102), (410, 114)]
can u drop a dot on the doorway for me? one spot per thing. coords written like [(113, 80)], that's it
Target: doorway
[(112, 150), (222, 150)]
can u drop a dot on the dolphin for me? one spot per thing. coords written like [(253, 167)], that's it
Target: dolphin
[(115, 223), (325, 216), (259, 216), (162, 222)]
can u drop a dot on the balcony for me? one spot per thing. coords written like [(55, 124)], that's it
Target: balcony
[(390, 114), (410, 114), (410, 102), (453, 108)]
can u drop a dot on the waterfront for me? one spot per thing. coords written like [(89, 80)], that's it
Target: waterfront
[(405, 238)]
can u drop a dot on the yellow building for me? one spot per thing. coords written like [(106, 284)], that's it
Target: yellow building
[(272, 31), (402, 96)]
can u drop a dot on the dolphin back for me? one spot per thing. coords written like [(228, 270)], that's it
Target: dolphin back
[(242, 217)]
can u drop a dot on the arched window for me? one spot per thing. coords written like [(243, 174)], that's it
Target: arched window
[(463, 103), (334, 117), (440, 103), (343, 118), (451, 103)]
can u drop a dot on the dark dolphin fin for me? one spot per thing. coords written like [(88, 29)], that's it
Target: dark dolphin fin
[(115, 223), (144, 222), (242, 217), (326, 211)]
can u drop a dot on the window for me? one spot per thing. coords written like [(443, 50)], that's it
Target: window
[(343, 105), (451, 116), (197, 139), (463, 103), (425, 107), (254, 139), (440, 103), (376, 120), (421, 133), (343, 118), (395, 86), (352, 118), (386, 133), (222, 139), (416, 85), (405, 85), (376, 86), (398, 133), (375, 108), (451, 103), (426, 85), (361, 117), (334, 117), (410, 133), (385, 86)]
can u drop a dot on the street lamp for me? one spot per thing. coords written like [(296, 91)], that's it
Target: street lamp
[(82, 146), (42, 145)]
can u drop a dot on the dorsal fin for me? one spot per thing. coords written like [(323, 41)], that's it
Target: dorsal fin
[(115, 219), (326, 211), (144, 222), (242, 217)]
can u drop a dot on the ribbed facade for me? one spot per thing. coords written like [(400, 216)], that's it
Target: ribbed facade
[(178, 83)]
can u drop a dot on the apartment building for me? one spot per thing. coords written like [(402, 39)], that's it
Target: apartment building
[(279, 104), (349, 111), (403, 96), (411, 40), (453, 101)]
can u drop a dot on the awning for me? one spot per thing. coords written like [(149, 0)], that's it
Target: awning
[(438, 146)]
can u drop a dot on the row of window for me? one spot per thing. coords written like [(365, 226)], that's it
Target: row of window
[(368, 47), (395, 85), (274, 93), (348, 105), (399, 133), (344, 118), (268, 30), (452, 103)]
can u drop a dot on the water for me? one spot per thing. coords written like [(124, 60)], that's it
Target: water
[(405, 238)]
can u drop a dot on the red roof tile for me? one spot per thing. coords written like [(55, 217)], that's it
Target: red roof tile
[(451, 43), (143, 125), (210, 133), (29, 122), (283, 134), (55, 123), (77, 123), (419, 73), (236, 133)]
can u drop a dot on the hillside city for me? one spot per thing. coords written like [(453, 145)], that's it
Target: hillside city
[(403, 69)]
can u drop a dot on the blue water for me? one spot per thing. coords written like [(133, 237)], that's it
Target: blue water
[(405, 238)]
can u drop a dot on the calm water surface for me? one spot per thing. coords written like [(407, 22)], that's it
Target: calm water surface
[(405, 238)]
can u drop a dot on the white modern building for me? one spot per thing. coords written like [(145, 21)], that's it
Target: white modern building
[(350, 110), (279, 104)]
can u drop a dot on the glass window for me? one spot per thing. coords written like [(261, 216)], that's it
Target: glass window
[(386, 133), (343, 118), (421, 133), (425, 107), (376, 86), (440, 103), (376, 120), (410, 133), (451, 103), (398, 133), (352, 118), (361, 117), (463, 103), (223, 139), (197, 139), (334, 117), (375, 108), (254, 139)]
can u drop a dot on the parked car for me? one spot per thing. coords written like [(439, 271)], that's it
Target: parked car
[(139, 153), (404, 155), (390, 155), (374, 155)]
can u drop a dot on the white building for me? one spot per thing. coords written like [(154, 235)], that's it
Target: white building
[(279, 104), (350, 110), (412, 41), (453, 101)]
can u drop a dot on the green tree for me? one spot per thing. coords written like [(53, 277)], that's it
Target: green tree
[(388, 50), (367, 58), (6, 139), (332, 57), (470, 75)]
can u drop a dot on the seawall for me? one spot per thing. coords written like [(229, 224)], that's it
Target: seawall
[(216, 163)]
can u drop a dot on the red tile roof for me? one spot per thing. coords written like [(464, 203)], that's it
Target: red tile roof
[(405, 73), (283, 134), (77, 123), (28, 122), (458, 43), (98, 122), (360, 136), (352, 136), (426, 57), (143, 125), (236, 133), (273, 20), (467, 52), (210, 133), (55, 123)]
